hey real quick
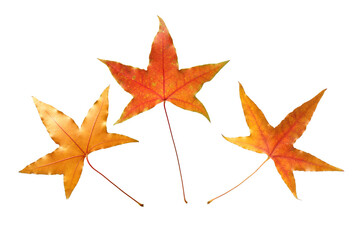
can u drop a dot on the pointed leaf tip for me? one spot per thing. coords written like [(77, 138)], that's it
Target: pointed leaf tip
[(106, 89), (162, 26), (101, 60), (240, 86), (35, 100), (120, 120), (323, 91), (223, 63), (161, 20), (241, 89)]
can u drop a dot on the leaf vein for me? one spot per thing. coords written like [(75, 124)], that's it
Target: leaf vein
[(66, 133)]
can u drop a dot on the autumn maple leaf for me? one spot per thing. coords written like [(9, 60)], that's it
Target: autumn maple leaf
[(75, 143), (278, 142), (162, 81)]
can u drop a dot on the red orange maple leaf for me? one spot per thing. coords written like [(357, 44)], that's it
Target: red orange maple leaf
[(162, 81), (278, 142)]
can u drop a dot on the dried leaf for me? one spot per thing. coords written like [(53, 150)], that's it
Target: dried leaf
[(162, 81), (278, 142), (75, 143)]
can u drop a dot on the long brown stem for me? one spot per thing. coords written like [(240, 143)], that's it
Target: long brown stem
[(239, 183), (174, 145), (112, 182)]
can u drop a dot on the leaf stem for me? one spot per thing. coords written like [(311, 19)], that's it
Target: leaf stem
[(174, 145), (112, 182), (239, 183)]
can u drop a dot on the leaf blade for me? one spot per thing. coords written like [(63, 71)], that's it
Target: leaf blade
[(162, 81), (278, 142), (74, 144)]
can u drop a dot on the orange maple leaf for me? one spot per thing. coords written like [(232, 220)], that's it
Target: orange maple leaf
[(163, 81), (278, 142), (75, 143)]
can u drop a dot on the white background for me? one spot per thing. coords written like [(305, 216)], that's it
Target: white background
[(283, 52)]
